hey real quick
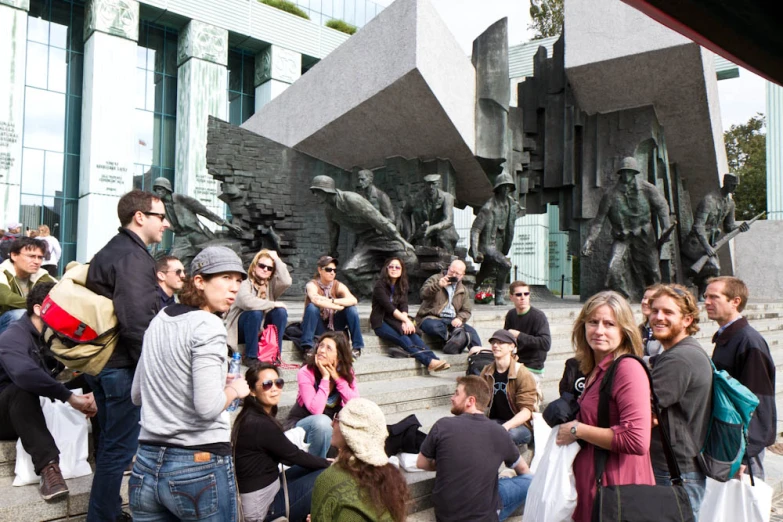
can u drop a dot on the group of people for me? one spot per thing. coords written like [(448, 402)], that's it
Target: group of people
[(163, 397)]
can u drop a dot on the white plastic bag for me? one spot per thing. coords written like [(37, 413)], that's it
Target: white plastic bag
[(69, 429), (408, 462), (297, 437), (552, 493), (736, 500), (541, 431)]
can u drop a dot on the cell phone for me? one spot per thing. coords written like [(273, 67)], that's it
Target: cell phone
[(453, 279)]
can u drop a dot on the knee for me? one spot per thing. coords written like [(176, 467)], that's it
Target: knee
[(312, 311), (321, 424), (251, 314), (351, 312)]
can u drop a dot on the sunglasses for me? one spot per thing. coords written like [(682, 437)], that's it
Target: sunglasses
[(265, 267), (330, 270), (520, 294), (267, 385), (179, 271), (159, 215), (394, 267)]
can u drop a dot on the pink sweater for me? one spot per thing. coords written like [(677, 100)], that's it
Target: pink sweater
[(630, 417), (314, 399)]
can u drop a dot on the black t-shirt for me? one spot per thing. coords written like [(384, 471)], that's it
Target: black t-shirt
[(468, 450), (501, 409)]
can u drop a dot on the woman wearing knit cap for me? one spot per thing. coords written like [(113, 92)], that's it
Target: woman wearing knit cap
[(361, 485)]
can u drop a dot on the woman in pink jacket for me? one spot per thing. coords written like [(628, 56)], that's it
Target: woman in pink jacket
[(604, 330), (326, 384)]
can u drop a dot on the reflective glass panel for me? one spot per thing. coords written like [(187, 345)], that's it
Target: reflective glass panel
[(58, 69), (144, 125), (53, 174), (44, 119), (37, 30), (33, 161), (37, 64)]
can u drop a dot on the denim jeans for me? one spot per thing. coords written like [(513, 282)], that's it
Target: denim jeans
[(119, 421), (169, 484), (313, 325), (442, 327), (9, 317), (301, 482), (520, 434), (249, 326), (694, 481), (513, 492), (318, 430), (411, 343), (757, 463)]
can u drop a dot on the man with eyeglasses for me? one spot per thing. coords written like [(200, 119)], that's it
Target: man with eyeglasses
[(18, 274), (171, 278), (530, 328), (123, 271)]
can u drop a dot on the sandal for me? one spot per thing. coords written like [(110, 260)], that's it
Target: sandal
[(440, 366)]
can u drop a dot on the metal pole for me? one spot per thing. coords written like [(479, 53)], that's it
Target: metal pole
[(516, 273), (562, 286)]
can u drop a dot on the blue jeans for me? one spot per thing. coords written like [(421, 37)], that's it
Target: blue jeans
[(168, 484), (410, 343), (513, 492), (301, 482), (250, 325), (313, 325), (318, 429), (694, 481), (520, 434), (9, 317), (119, 421), (442, 327)]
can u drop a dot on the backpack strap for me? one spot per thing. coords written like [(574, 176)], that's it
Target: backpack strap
[(604, 397)]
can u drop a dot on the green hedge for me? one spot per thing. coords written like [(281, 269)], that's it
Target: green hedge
[(288, 7), (342, 26)]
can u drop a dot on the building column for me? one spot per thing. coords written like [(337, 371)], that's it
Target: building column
[(111, 33), (276, 69), (202, 83), (13, 41), (774, 152)]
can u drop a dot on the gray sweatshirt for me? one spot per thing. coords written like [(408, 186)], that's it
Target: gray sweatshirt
[(180, 379)]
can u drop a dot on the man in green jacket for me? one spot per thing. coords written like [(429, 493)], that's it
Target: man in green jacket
[(18, 274)]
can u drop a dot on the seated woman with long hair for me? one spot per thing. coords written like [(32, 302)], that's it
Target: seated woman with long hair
[(361, 485), (326, 384), (389, 317), (257, 304), (260, 445)]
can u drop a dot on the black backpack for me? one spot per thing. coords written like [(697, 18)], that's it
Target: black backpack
[(478, 361), (457, 343)]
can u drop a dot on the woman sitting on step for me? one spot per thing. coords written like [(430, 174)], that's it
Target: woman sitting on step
[(260, 446), (326, 383), (389, 318)]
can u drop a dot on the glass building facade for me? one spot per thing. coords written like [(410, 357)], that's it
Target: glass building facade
[(241, 92), (51, 135), (355, 12)]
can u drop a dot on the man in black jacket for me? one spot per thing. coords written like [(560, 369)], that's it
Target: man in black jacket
[(744, 354), (26, 374), (123, 271)]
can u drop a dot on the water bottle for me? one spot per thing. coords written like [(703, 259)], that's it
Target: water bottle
[(234, 369)]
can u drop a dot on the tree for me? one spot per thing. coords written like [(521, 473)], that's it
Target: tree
[(746, 150), (546, 18)]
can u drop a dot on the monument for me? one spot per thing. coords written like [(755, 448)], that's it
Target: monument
[(428, 217)]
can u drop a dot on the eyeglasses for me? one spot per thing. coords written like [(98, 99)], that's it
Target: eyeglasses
[(159, 215), (394, 267), (520, 294), (330, 270), (267, 385), (179, 271), (262, 266), (497, 342)]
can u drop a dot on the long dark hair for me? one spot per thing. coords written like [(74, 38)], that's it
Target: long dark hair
[(401, 285), (344, 356), (250, 403), (383, 486)]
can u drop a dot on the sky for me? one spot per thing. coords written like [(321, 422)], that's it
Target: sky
[(740, 98)]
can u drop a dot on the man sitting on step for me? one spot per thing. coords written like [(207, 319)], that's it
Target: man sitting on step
[(26, 374)]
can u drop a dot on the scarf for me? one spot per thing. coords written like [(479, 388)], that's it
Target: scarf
[(262, 288), (327, 314)]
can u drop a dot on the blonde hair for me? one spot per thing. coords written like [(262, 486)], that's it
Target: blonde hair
[(251, 271), (44, 230), (632, 339), (685, 302)]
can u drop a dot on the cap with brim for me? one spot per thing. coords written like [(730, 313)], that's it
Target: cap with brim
[(216, 260), (503, 336), (12, 225), (431, 178), (325, 260)]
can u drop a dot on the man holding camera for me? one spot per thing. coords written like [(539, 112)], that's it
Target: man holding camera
[(446, 305)]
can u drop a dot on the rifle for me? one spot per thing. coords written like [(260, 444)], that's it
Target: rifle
[(666, 234), (698, 265)]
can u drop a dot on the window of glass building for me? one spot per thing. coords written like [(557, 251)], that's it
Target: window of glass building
[(355, 12), (241, 92), (156, 105), (52, 120)]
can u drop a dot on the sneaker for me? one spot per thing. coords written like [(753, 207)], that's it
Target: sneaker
[(52, 482), (356, 353)]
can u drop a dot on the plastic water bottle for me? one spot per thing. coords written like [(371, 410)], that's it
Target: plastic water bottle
[(235, 369)]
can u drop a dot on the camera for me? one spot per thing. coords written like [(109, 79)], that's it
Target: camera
[(453, 279)]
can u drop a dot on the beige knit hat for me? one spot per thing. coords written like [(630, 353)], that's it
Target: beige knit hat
[(363, 427)]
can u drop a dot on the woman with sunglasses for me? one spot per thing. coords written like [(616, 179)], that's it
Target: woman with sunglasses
[(389, 317), (257, 304), (260, 445), (326, 384)]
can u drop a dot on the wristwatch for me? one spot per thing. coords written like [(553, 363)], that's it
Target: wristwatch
[(573, 429)]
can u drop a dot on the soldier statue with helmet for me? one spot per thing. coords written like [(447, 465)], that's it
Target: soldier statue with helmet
[(428, 217), (492, 233)]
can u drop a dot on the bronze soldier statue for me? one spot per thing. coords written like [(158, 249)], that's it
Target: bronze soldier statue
[(630, 207), (491, 236), (715, 214), (428, 218), (374, 195)]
